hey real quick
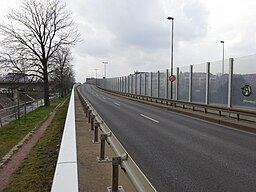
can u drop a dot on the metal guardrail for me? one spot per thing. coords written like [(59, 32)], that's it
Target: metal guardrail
[(136, 176), (245, 114), (66, 177)]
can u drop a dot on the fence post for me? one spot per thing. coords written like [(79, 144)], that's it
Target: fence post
[(207, 83), (145, 84), (167, 84), (132, 84), (190, 84), (158, 84), (177, 83), (140, 83), (151, 86), (230, 82)]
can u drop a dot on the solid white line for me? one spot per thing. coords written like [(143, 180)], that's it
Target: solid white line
[(149, 118), (117, 104)]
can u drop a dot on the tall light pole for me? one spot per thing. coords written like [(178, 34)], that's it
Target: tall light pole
[(105, 68), (171, 59), (222, 57)]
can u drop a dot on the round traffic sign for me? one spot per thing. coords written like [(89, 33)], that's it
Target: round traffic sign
[(246, 90), (172, 78)]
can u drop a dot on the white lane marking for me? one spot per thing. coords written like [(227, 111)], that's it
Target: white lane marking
[(149, 118), (117, 104), (104, 98)]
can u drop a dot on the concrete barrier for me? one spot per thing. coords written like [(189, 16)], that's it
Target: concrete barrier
[(65, 177)]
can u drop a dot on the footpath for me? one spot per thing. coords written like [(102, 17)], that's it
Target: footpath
[(93, 176), (15, 157)]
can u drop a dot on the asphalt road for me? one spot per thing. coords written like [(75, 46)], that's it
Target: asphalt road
[(176, 152)]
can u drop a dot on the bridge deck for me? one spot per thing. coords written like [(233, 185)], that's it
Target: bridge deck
[(92, 176)]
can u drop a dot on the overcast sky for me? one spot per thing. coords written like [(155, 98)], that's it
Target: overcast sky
[(135, 34)]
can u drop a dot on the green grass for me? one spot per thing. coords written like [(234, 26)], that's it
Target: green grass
[(13, 132), (37, 170)]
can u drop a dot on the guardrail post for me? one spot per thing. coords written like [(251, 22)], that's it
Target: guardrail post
[(92, 121), (116, 161), (102, 158), (89, 116), (96, 133), (103, 138), (86, 110)]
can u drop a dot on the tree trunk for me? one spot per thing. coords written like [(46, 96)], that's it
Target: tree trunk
[(46, 89), (62, 86)]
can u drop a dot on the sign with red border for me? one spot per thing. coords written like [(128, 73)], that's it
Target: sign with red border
[(172, 78)]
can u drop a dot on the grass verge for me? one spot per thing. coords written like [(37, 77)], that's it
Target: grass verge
[(37, 170), (13, 132)]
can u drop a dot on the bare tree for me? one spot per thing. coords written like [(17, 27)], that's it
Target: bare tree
[(37, 29), (63, 73)]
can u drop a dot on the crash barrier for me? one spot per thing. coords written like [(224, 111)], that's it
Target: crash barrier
[(239, 114), (122, 158), (65, 176)]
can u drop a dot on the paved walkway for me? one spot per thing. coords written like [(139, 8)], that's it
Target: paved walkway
[(93, 176)]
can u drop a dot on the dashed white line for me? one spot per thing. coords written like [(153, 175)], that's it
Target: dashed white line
[(149, 118), (117, 104)]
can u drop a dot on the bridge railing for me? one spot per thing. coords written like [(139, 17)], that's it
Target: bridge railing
[(65, 177)]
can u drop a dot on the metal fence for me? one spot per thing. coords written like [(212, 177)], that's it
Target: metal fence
[(203, 83)]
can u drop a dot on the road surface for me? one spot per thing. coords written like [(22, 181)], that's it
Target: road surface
[(177, 152)]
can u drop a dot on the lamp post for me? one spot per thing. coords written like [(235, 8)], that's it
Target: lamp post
[(171, 54), (222, 57), (105, 68)]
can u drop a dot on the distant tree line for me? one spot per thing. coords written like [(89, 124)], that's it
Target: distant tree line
[(36, 40)]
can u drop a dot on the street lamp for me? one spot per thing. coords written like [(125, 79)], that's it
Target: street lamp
[(105, 68), (222, 57), (172, 19)]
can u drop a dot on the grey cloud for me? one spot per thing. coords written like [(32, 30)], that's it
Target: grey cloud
[(193, 21), (136, 23)]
